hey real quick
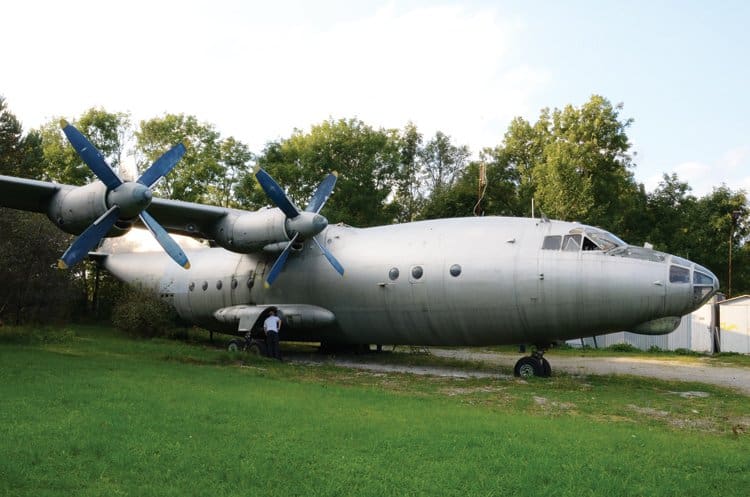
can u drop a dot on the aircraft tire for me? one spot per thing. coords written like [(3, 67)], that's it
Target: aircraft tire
[(546, 368), (234, 346), (526, 367), (256, 348)]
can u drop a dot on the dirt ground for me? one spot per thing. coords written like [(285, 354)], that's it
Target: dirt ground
[(699, 371), (725, 376)]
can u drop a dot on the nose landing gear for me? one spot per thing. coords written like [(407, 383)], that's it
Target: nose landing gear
[(533, 365)]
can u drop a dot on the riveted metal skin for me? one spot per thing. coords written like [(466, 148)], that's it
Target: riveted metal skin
[(509, 290)]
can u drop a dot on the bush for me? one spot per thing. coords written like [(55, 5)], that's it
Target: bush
[(141, 314), (728, 354), (623, 347), (655, 349), (682, 351)]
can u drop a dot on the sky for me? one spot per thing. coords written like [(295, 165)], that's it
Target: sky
[(259, 70)]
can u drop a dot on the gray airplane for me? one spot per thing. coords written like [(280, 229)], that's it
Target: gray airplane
[(463, 281)]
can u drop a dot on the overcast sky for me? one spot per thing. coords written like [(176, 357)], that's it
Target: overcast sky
[(258, 70)]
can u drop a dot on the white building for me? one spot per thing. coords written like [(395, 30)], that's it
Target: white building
[(734, 318)]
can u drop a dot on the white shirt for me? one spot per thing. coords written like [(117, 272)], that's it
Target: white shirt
[(272, 323)]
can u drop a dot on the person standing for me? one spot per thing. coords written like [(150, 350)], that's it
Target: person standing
[(272, 327)]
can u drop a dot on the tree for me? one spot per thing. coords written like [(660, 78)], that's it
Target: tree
[(19, 155), (408, 198), (711, 224), (668, 212), (10, 140), (199, 168), (367, 161), (33, 289), (234, 159), (109, 132), (584, 173), (456, 200), (441, 162), (521, 151)]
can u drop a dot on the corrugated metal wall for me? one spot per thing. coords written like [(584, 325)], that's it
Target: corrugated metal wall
[(735, 325)]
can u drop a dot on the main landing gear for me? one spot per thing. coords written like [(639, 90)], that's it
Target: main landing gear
[(533, 365)]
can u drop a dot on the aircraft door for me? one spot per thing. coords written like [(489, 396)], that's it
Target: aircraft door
[(255, 280), (406, 299), (527, 281)]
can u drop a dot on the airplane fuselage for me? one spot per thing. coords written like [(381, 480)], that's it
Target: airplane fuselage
[(466, 281)]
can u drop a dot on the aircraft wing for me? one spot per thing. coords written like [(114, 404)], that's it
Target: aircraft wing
[(187, 218), (28, 194)]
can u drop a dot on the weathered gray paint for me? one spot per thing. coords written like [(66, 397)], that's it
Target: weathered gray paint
[(509, 290)]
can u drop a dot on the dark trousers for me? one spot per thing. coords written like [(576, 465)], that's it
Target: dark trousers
[(272, 342)]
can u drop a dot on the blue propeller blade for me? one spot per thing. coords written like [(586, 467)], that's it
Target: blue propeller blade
[(274, 191), (322, 194), (336, 265), (162, 166), (89, 238), (167, 242), (279, 264), (91, 156)]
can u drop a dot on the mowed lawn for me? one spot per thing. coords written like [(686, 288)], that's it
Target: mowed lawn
[(87, 412)]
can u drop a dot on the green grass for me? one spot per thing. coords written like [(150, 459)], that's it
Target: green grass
[(84, 411)]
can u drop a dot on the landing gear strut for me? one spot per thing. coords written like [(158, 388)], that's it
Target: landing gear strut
[(533, 365)]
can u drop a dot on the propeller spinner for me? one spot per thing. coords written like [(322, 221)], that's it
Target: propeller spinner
[(125, 200), (305, 224)]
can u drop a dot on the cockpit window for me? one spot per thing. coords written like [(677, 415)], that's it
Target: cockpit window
[(679, 274), (681, 261), (586, 238), (605, 240), (703, 270), (642, 253), (572, 243), (589, 245), (702, 279), (552, 242)]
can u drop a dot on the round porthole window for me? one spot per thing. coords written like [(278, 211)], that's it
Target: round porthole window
[(192, 286), (455, 270), (218, 285), (234, 283), (417, 272), (205, 286), (393, 274)]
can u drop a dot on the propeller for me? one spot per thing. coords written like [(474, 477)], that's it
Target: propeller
[(305, 224), (125, 199)]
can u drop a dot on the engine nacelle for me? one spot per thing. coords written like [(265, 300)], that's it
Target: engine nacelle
[(250, 231), (75, 210)]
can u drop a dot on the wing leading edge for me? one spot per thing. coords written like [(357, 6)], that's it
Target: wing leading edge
[(28, 194), (184, 218)]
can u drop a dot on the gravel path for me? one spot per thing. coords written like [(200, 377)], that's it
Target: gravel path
[(725, 376)]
